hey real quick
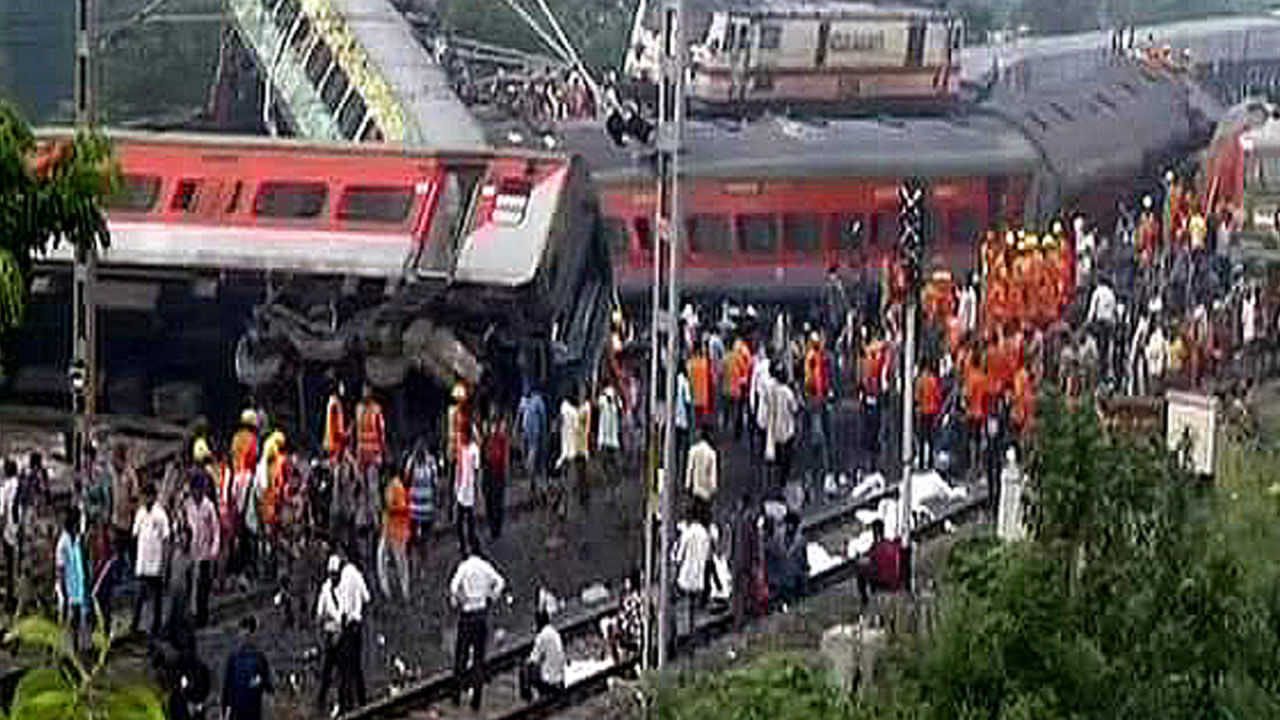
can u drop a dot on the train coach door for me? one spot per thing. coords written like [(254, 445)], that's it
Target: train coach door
[(915, 43), (820, 52), (449, 204), (739, 58)]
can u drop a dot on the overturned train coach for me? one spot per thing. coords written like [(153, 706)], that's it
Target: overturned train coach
[(771, 204), (368, 259)]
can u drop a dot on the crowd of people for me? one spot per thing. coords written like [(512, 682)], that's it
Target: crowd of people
[(813, 393)]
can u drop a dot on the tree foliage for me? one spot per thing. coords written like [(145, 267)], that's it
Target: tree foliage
[(1130, 601), (1141, 594), (64, 687), (49, 194)]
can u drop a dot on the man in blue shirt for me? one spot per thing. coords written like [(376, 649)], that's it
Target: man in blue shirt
[(531, 417), (246, 678), (69, 567)]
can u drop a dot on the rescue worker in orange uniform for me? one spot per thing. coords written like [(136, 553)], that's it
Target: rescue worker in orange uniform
[(335, 426), (371, 432), (977, 406), (740, 378), (244, 444), (929, 404), (700, 383), (1024, 402)]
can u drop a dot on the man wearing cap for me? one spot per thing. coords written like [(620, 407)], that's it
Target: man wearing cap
[(475, 587), (329, 617)]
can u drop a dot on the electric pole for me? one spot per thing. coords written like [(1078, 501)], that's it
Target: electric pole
[(912, 248), (670, 227), (84, 311)]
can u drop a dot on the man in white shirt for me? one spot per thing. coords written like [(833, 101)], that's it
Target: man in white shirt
[(609, 430), (780, 430), (151, 531), (353, 596), (1103, 314), (202, 518), (329, 617), (466, 475), (544, 670), (702, 476), (475, 586), (761, 398), (12, 523), (1157, 357), (693, 553)]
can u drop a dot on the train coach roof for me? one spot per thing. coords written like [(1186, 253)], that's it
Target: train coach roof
[(1116, 124), (1065, 58), (777, 147)]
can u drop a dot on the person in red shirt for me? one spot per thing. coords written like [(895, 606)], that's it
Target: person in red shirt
[(881, 568), (497, 461), (929, 405), (977, 402)]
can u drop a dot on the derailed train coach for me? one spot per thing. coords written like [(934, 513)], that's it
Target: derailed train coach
[(261, 261), (772, 204)]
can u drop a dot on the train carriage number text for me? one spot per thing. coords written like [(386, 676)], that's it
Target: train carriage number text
[(857, 40)]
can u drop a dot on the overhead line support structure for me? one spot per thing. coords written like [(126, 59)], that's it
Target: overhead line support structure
[(83, 371), (670, 225)]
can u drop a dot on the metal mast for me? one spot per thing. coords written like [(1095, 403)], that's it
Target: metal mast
[(670, 228), (84, 311)]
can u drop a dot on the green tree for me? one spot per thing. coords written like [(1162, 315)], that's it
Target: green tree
[(64, 687), (48, 195), (1130, 600)]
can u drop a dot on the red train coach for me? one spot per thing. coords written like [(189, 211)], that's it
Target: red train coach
[(507, 240), (771, 205)]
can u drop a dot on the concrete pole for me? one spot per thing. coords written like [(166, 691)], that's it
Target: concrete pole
[(908, 418), (83, 308), (669, 226)]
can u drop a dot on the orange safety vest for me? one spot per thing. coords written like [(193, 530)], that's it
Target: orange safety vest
[(1024, 400), (700, 383), (815, 374), (244, 451), (929, 394), (335, 429), (741, 369), (371, 432), (977, 393)]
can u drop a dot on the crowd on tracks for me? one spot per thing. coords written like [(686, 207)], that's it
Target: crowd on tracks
[(812, 392)]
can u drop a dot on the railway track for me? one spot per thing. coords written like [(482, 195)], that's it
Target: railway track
[(431, 697)]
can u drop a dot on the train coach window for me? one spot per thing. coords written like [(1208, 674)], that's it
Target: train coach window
[(801, 234), (770, 37), (708, 234), (757, 234), (290, 200), (376, 204), (186, 196), (136, 193), (318, 62), (335, 88), (644, 234), (352, 115), (615, 236), (851, 232), (963, 227), (886, 229)]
